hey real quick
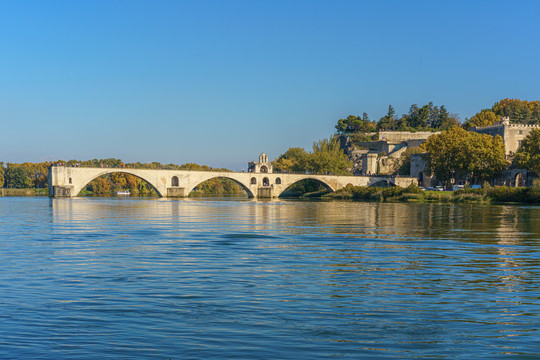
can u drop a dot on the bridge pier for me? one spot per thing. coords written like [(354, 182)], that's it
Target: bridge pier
[(265, 193), (176, 192), (61, 191)]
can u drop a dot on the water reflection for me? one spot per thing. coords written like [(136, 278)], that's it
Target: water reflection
[(505, 225), (303, 279)]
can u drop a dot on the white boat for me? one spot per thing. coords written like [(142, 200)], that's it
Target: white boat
[(123, 192)]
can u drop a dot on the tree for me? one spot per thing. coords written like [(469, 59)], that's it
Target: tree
[(389, 121), (528, 154), (459, 153), (17, 177), (293, 160), (328, 158), (1, 174), (486, 156), (485, 117), (354, 124)]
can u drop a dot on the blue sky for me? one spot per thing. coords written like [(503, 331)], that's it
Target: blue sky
[(219, 82)]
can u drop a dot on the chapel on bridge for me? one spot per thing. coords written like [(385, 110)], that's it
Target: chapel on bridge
[(261, 166)]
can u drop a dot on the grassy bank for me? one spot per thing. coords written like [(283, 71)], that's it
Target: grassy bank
[(24, 192), (502, 194)]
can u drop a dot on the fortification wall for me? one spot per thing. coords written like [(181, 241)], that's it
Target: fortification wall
[(512, 134), (399, 136)]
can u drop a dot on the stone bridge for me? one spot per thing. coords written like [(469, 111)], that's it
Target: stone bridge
[(69, 181)]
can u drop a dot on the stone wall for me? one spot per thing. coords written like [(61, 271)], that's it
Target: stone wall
[(512, 134), (399, 136)]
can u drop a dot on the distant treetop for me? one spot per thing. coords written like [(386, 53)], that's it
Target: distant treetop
[(519, 112), (426, 118)]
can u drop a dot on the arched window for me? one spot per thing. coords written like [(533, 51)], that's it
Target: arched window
[(70, 181), (253, 181), (266, 182), (174, 181), (278, 181), (264, 169), (519, 180)]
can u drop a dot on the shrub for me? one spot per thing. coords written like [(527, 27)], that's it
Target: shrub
[(507, 194), (412, 197), (467, 197)]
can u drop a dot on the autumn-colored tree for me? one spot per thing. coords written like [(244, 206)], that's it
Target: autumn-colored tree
[(485, 117), (519, 111), (460, 153), (100, 186)]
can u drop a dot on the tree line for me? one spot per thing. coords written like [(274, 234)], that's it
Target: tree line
[(428, 117), (519, 111)]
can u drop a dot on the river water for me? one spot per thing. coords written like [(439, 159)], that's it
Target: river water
[(97, 278)]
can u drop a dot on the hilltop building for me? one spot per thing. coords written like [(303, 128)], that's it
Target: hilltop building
[(512, 134), (381, 156)]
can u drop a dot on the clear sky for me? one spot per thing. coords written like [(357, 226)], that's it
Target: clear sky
[(219, 82)]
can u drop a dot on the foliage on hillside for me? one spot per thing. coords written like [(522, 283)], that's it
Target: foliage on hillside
[(419, 118), (519, 112)]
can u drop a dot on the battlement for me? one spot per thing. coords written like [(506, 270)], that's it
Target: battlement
[(505, 122)]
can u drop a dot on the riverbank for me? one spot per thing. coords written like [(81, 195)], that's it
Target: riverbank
[(501, 194), (23, 192)]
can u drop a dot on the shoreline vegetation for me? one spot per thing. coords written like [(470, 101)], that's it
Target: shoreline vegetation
[(486, 194)]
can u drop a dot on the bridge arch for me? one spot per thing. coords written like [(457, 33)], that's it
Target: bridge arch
[(245, 187), (82, 183), (382, 183), (287, 185)]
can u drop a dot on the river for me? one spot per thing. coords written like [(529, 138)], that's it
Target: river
[(127, 278)]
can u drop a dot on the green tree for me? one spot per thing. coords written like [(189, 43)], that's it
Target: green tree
[(17, 177), (354, 124), (389, 121), (293, 160), (486, 156), (1, 174), (328, 158), (459, 153), (528, 153)]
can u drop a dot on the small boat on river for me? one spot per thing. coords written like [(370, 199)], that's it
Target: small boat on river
[(123, 193)]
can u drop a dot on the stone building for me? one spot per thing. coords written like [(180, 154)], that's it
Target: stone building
[(382, 156), (512, 134), (261, 166)]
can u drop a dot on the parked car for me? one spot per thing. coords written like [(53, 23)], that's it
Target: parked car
[(476, 186), (438, 188), (457, 187)]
